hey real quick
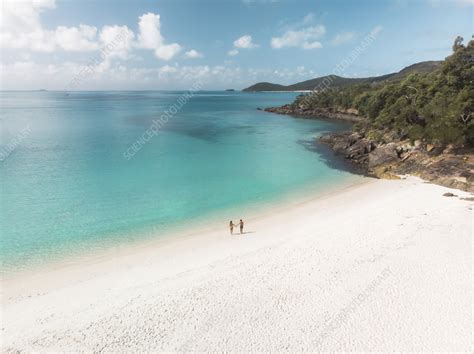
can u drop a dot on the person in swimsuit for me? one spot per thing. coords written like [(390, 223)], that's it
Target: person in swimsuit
[(241, 225), (231, 227)]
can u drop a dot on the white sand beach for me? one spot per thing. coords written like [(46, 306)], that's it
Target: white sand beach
[(382, 266)]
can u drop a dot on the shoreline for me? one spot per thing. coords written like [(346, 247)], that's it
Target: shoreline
[(388, 157), (319, 113), (444, 165), (215, 223), (291, 276)]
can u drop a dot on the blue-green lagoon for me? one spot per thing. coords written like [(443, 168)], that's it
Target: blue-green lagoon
[(69, 182)]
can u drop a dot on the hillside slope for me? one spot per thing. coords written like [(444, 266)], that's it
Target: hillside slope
[(418, 122), (338, 81)]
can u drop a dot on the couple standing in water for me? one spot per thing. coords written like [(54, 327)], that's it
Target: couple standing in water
[(241, 226)]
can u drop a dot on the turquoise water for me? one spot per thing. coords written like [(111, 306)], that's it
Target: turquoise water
[(67, 183)]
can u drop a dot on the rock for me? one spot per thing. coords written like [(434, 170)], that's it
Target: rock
[(369, 146), (354, 137), (417, 143), (405, 156), (304, 110), (357, 149), (449, 195), (404, 148), (326, 139), (390, 137), (448, 149), (453, 170), (437, 150), (429, 147), (352, 111), (382, 155), (408, 147), (340, 147), (384, 172)]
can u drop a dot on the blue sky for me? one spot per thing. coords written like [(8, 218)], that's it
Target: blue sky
[(164, 44)]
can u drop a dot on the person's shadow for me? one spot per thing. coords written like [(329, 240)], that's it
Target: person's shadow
[(248, 232)]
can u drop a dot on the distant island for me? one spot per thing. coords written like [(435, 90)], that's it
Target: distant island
[(230, 90), (338, 81), (418, 121)]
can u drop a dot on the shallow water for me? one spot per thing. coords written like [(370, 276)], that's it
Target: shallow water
[(72, 181)]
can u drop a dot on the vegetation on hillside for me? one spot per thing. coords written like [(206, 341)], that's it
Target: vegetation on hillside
[(433, 106), (338, 81), (265, 86)]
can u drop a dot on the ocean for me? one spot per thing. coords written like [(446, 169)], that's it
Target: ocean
[(87, 170)]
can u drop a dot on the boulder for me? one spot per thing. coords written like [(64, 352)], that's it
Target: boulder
[(407, 147), (354, 138), (326, 139), (361, 147), (369, 146), (382, 155), (449, 195), (340, 147)]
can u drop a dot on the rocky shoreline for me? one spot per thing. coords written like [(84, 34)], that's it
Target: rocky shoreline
[(444, 165), (390, 156), (350, 115)]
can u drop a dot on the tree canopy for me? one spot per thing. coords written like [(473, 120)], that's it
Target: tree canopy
[(436, 106)]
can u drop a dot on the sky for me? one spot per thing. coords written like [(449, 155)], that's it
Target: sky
[(218, 44)]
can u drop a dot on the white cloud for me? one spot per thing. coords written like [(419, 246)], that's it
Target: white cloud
[(31, 75), (312, 45), (343, 37), (150, 37), (244, 42), (21, 28), (76, 39), (34, 41), (150, 27), (168, 51), (193, 54), (116, 41), (23, 16), (305, 38), (168, 69)]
